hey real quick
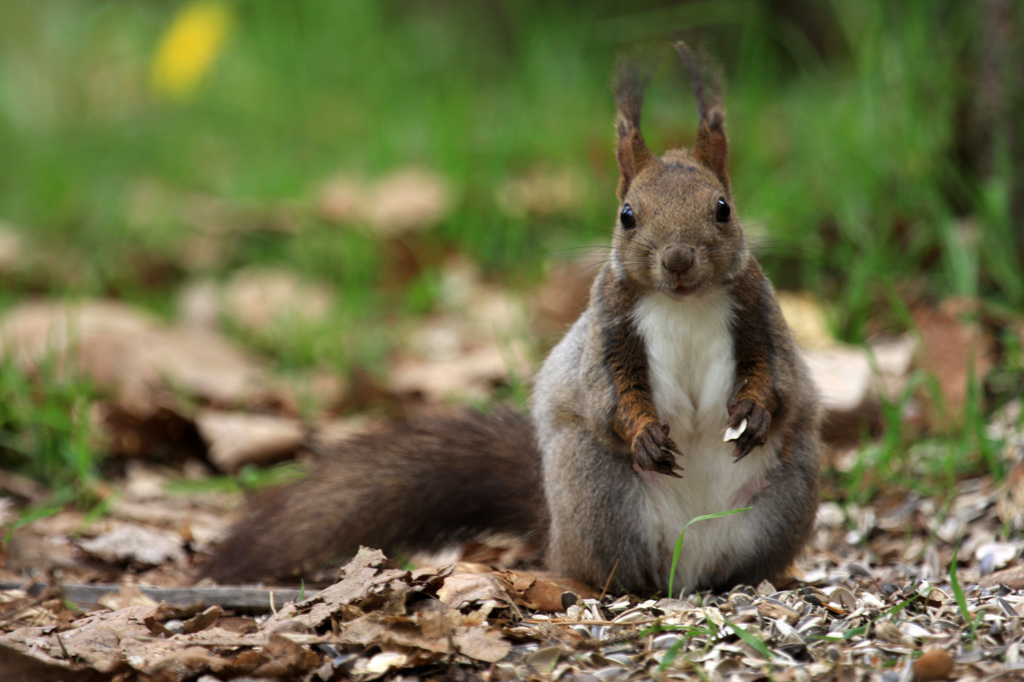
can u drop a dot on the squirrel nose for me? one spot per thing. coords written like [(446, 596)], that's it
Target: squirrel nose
[(678, 259)]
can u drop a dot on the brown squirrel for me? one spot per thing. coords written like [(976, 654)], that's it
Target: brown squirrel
[(681, 360)]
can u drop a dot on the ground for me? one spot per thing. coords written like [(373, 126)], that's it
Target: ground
[(232, 231)]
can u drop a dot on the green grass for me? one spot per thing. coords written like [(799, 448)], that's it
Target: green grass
[(45, 429), (844, 162), (677, 552), (961, 600)]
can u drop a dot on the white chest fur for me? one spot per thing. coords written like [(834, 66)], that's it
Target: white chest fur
[(692, 374)]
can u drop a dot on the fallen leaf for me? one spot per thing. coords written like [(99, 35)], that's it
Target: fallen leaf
[(362, 576), (262, 300), (564, 295), (463, 588), (201, 621), (136, 544), (238, 438), (408, 200), (952, 349), (542, 192), (28, 666), (405, 201), (806, 318), (127, 352), (842, 375), (934, 664), (472, 375), (542, 592), (286, 659), (482, 644), (128, 595)]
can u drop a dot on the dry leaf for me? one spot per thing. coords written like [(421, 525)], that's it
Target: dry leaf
[(463, 588), (542, 193), (482, 644), (128, 595), (564, 295), (238, 438), (951, 349), (28, 666), (408, 200), (806, 317), (934, 664), (842, 375), (484, 311), (130, 354), (130, 542), (264, 299), (472, 375)]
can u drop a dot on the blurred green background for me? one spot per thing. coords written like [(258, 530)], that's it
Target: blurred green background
[(876, 150), (872, 141)]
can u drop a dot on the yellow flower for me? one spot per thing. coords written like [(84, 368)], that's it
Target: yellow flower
[(189, 47)]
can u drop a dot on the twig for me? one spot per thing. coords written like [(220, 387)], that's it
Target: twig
[(251, 599), (607, 583)]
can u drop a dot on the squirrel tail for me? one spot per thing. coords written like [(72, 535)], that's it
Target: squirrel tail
[(422, 485)]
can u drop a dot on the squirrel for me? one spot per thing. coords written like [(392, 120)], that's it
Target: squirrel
[(679, 392)]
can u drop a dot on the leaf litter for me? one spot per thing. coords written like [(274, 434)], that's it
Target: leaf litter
[(878, 596)]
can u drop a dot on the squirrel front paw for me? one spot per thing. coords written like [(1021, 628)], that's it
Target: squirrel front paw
[(748, 425), (653, 450)]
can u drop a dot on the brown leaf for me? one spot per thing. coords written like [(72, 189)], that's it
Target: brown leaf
[(137, 544), (472, 375), (29, 666), (543, 593), (1012, 577), (128, 595), (286, 659), (482, 644), (362, 576), (806, 317), (408, 200), (238, 438), (203, 620), (463, 588), (130, 354), (934, 664), (542, 192), (563, 296), (952, 349), (262, 300)]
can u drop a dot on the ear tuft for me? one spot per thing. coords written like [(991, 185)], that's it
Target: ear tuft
[(632, 76), (711, 147)]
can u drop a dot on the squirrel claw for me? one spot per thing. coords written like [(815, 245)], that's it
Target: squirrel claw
[(653, 450), (748, 426)]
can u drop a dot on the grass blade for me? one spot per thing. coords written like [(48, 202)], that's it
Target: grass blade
[(671, 654), (958, 592), (755, 642), (679, 543)]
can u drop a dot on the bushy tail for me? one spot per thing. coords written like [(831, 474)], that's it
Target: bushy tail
[(412, 486)]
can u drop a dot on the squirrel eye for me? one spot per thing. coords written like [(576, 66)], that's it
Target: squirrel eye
[(627, 217), (722, 211)]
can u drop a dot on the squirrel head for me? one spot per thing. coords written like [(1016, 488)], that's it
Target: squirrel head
[(677, 229)]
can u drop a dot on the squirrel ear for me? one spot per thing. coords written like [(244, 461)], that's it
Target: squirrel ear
[(711, 147), (631, 79)]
